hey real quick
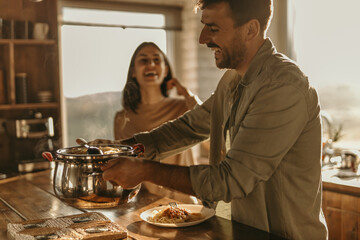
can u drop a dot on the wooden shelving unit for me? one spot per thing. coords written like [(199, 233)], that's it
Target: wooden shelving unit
[(39, 59)]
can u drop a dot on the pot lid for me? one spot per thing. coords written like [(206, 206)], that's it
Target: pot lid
[(79, 153)]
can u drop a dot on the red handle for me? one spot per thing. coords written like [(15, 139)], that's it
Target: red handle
[(139, 149), (48, 156)]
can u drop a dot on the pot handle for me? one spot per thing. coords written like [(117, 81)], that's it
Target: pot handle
[(48, 156), (139, 149)]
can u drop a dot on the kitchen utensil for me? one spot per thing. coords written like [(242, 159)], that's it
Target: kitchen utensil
[(78, 177), (90, 149)]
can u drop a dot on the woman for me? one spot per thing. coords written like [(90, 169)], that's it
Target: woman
[(145, 97)]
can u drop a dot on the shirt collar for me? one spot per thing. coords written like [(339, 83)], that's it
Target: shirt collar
[(256, 65)]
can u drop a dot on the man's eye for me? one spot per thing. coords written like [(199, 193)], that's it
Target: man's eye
[(157, 60), (214, 30)]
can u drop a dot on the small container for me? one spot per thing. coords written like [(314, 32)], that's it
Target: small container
[(350, 160), (21, 88), (21, 29), (44, 96), (7, 28)]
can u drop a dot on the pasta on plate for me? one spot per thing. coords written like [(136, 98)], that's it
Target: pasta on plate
[(174, 215)]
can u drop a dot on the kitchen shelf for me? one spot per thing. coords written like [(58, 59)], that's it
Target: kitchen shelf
[(28, 41), (28, 106), (38, 59)]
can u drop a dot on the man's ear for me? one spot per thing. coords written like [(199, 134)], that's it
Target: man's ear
[(253, 29)]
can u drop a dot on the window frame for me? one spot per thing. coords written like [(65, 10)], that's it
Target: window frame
[(173, 27)]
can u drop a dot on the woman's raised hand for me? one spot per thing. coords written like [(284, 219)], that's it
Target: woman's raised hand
[(180, 89), (191, 99)]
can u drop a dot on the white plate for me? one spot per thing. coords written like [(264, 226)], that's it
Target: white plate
[(206, 212)]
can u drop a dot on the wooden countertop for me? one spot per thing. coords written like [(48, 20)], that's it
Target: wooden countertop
[(31, 196), (347, 185)]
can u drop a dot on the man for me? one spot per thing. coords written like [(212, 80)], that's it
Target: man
[(264, 126)]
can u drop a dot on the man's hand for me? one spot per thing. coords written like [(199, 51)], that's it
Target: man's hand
[(125, 172)]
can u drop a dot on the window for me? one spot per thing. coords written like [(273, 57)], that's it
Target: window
[(97, 45), (327, 49), (96, 58)]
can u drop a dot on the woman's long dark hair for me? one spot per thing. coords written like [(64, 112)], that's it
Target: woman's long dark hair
[(131, 91)]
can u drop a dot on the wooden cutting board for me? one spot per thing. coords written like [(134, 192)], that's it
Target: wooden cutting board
[(87, 226)]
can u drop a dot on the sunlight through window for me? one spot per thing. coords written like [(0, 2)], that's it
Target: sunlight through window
[(327, 49), (95, 61)]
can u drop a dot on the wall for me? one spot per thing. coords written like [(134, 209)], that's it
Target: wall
[(199, 71), (280, 30)]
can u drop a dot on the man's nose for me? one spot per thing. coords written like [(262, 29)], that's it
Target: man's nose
[(204, 36)]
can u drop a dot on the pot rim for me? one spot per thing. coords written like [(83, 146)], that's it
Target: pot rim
[(62, 155)]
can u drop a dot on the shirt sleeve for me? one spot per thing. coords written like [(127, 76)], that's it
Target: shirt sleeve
[(177, 135), (192, 100), (274, 121)]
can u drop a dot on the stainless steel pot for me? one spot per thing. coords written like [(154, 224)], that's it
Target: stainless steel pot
[(78, 177)]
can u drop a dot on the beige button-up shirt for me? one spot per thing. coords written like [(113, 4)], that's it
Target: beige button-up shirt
[(271, 172)]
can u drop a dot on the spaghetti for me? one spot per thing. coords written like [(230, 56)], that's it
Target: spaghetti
[(174, 215)]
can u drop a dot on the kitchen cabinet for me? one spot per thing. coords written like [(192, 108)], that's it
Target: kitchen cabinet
[(37, 58), (341, 207), (342, 213)]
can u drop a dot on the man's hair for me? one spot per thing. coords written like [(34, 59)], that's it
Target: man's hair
[(243, 11)]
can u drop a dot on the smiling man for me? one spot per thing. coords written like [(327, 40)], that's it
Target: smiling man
[(264, 127)]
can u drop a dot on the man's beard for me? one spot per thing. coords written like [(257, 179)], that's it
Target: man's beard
[(233, 58)]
